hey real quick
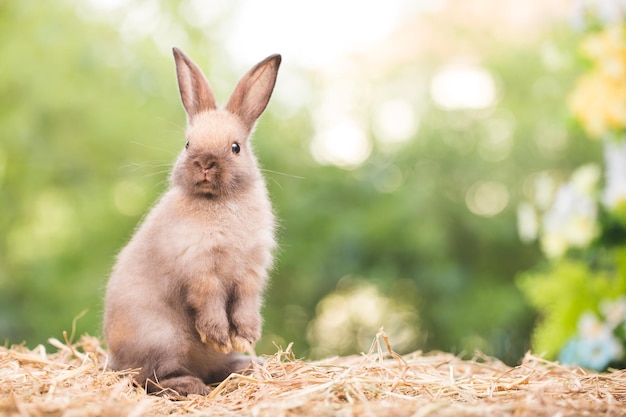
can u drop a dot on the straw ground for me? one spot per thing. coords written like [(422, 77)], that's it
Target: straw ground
[(74, 381)]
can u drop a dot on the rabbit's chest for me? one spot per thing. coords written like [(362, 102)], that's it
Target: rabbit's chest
[(223, 244)]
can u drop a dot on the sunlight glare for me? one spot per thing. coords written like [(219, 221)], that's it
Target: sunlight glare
[(199, 15), (395, 122), (108, 5), (458, 87), (313, 34), (343, 144)]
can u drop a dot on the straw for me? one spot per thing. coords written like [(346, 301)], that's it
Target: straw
[(75, 381)]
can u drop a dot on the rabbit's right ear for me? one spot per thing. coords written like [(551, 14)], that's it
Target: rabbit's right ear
[(195, 91)]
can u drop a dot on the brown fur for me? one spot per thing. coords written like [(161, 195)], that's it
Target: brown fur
[(185, 294)]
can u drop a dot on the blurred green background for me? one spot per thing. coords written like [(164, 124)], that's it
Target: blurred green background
[(400, 139)]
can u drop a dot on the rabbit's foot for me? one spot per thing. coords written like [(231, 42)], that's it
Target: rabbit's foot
[(178, 386)]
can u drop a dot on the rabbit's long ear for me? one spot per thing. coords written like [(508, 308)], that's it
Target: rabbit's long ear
[(254, 90), (195, 91)]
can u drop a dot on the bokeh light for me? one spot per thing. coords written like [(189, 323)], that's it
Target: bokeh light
[(487, 198), (460, 86), (344, 144), (395, 122)]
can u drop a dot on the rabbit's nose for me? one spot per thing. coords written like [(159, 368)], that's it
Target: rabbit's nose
[(208, 166)]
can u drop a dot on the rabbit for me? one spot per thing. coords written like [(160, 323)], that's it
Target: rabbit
[(184, 296)]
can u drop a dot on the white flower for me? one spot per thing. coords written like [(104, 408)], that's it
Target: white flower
[(599, 352), (615, 160), (597, 344), (545, 187), (591, 327), (581, 230), (607, 11), (585, 179), (527, 222), (614, 311), (554, 244), (611, 11), (571, 221), (594, 347)]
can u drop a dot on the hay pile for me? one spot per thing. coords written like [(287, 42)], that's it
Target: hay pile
[(74, 382)]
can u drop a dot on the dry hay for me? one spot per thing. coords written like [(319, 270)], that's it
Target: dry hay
[(74, 382)]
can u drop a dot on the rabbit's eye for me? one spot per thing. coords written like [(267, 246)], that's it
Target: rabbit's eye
[(235, 147), (187, 145)]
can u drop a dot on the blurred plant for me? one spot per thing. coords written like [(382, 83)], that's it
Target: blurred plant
[(597, 13), (347, 317), (599, 339), (599, 98), (571, 220), (582, 232)]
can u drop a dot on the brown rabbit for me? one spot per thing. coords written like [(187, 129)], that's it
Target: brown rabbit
[(185, 294)]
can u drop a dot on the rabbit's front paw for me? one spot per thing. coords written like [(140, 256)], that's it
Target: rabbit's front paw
[(215, 335), (240, 344), (245, 331)]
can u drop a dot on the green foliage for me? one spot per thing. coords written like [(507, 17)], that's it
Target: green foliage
[(72, 124), (561, 293)]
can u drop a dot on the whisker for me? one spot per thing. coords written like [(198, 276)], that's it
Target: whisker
[(173, 124), (151, 164), (145, 145), (161, 184), (275, 181), (144, 174), (153, 174), (282, 173)]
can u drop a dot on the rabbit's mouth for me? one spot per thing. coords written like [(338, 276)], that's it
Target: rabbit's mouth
[(223, 183), (209, 179), (207, 186)]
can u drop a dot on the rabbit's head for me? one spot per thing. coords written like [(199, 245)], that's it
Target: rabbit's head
[(217, 161)]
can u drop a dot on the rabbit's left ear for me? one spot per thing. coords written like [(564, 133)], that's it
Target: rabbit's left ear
[(195, 91), (254, 90)]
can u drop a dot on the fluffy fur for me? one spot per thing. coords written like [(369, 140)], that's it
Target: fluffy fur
[(184, 296)]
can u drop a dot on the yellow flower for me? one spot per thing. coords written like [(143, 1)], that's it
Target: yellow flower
[(599, 103), (608, 50), (599, 97)]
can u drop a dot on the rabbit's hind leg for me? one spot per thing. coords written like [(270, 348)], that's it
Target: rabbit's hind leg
[(178, 385)]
